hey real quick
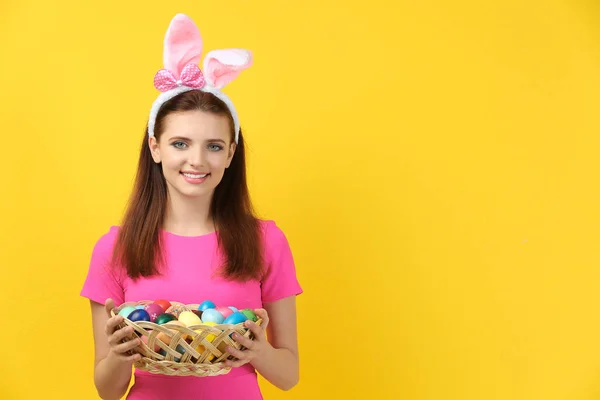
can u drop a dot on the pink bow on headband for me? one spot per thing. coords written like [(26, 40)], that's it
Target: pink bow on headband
[(191, 76), (182, 53)]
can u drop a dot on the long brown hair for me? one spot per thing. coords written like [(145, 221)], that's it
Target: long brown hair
[(138, 247)]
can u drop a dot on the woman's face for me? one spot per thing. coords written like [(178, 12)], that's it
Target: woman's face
[(194, 149)]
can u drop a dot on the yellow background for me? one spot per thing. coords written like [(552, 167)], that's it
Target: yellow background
[(434, 164)]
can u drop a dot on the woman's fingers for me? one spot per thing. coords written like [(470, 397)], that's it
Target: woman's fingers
[(119, 335), (235, 363), (262, 314), (238, 354), (128, 345), (134, 358), (258, 331), (112, 324), (244, 341), (118, 338)]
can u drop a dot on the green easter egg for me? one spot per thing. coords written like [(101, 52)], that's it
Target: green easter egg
[(249, 314), (164, 318)]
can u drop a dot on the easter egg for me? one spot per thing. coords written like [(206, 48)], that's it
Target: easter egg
[(205, 305), (179, 349), (139, 315), (141, 348), (162, 352), (163, 337), (212, 315), (189, 318), (177, 309), (164, 318), (210, 337), (201, 349), (164, 304), (140, 307), (171, 323), (154, 310), (249, 314), (166, 338), (225, 311), (126, 311), (198, 313), (235, 318), (145, 347), (233, 309)]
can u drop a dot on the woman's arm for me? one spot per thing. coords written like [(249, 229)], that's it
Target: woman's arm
[(112, 364), (275, 357)]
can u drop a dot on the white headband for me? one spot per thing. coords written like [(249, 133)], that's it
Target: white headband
[(182, 53)]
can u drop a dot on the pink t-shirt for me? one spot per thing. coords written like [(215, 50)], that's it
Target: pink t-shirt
[(189, 279)]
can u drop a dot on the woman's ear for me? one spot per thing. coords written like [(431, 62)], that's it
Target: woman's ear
[(232, 148), (154, 150)]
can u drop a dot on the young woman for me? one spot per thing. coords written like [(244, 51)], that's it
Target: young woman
[(189, 235)]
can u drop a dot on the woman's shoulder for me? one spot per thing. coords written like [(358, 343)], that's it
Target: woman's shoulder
[(279, 280), (274, 238), (110, 234), (269, 228), (106, 240)]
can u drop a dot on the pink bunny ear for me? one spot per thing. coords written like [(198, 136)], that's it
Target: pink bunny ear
[(183, 44), (223, 66)]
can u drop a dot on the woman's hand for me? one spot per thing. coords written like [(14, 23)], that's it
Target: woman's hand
[(256, 348), (120, 345)]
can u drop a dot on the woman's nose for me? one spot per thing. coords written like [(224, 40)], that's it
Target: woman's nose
[(196, 157)]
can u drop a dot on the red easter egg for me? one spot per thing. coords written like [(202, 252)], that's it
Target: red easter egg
[(225, 311), (145, 340), (164, 304)]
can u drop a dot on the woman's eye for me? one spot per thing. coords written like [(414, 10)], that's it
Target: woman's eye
[(179, 145), (215, 147)]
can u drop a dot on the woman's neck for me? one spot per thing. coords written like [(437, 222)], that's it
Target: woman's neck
[(188, 216)]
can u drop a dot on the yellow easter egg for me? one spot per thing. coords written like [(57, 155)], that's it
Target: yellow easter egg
[(210, 337), (201, 349), (189, 318)]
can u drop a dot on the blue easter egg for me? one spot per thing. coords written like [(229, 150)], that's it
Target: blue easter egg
[(212, 315), (179, 349), (139, 315), (206, 304), (234, 309), (235, 318), (139, 307)]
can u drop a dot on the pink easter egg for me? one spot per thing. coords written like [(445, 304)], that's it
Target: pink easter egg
[(154, 310), (225, 311)]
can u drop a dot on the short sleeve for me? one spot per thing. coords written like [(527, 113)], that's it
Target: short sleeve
[(280, 279), (102, 281)]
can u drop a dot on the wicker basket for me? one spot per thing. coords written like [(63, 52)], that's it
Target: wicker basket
[(200, 357)]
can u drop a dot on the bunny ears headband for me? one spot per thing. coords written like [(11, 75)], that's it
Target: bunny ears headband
[(181, 55)]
